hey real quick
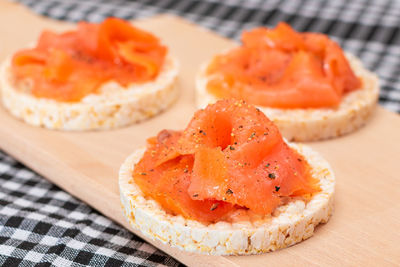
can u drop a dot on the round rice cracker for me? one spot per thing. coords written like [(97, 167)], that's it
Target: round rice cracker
[(289, 224), (315, 123), (114, 106)]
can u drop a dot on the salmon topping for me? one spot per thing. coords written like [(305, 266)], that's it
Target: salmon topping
[(282, 68), (68, 66), (230, 156)]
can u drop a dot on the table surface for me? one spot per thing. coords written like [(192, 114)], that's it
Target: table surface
[(22, 216)]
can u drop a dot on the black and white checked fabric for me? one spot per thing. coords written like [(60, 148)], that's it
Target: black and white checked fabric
[(39, 223)]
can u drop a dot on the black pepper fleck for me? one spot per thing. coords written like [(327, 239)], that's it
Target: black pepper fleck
[(202, 132), (214, 206)]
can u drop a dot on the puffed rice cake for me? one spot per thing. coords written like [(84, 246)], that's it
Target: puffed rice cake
[(287, 225)]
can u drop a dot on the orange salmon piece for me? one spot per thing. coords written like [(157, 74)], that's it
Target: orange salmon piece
[(230, 156), (68, 66), (282, 68)]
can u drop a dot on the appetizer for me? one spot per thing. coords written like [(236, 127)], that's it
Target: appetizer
[(98, 76), (303, 82), (227, 184)]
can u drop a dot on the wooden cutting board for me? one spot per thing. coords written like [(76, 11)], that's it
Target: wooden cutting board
[(363, 231)]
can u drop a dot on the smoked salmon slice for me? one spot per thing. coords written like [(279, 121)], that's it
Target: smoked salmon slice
[(68, 66), (282, 68), (168, 183), (229, 157)]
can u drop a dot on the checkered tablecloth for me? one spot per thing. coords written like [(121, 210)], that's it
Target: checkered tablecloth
[(40, 223)]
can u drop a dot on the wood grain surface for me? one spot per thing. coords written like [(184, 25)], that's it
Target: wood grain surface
[(364, 229)]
